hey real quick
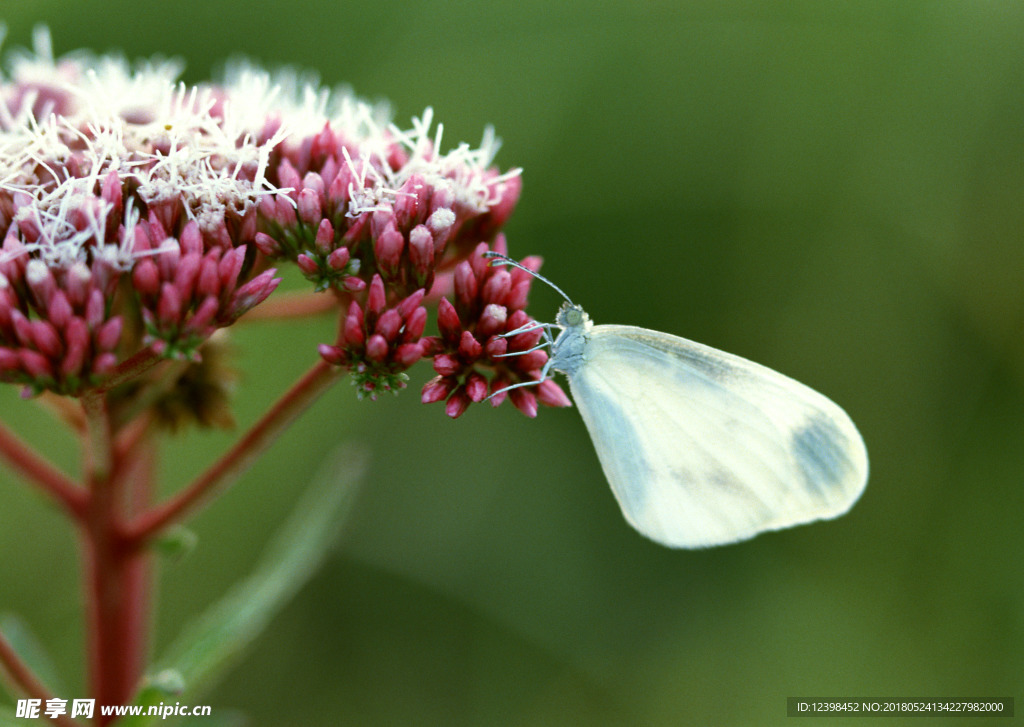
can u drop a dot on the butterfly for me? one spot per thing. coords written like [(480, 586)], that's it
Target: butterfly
[(702, 447)]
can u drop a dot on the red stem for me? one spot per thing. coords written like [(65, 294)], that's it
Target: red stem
[(116, 573), (37, 470), (239, 458), (283, 306), (128, 369), (29, 683)]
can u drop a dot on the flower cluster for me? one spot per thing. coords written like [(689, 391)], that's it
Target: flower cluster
[(477, 336), (127, 205), (359, 204), (140, 216), (378, 345)]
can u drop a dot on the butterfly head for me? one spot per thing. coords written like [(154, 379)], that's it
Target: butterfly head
[(572, 316)]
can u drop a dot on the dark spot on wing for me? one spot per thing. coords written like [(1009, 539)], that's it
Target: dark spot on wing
[(820, 452)]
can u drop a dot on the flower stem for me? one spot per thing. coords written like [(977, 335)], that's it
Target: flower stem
[(283, 306), (29, 683), (38, 471), (117, 575), (137, 364), (239, 458)]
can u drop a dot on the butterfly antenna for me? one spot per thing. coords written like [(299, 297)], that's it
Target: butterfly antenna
[(498, 259)]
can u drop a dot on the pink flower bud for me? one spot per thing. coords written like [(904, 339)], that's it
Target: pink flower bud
[(389, 324), (40, 281), (59, 309), (9, 360), (208, 280), (186, 274), (441, 220), (353, 284), (309, 207), (415, 323), (338, 259), (104, 364), (495, 347), (492, 320), (357, 230), (168, 309), (465, 283), (253, 293), (497, 287), (550, 394), (476, 387), (388, 250), (325, 236), (409, 200), (46, 340), (268, 207), (247, 226), (111, 191), (408, 353), (157, 230), (448, 321), (109, 334), (376, 348), (532, 360), (377, 298), (517, 296), (77, 283), (411, 302), (191, 239), (146, 277), (442, 198), (457, 404), (267, 244), (479, 263), (168, 257), (307, 264), (337, 192), (442, 225), (76, 335), (35, 364), (74, 358), (469, 348), (22, 327), (508, 192), (353, 327), (381, 221), (498, 392), (524, 400), (421, 251), (327, 173), (436, 389), (284, 214), (313, 182), (332, 354), (202, 320), (447, 365), (29, 228), (229, 267), (289, 177)]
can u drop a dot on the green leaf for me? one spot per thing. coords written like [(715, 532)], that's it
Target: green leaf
[(31, 650), (207, 648)]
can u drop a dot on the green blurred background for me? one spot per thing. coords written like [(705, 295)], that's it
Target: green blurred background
[(833, 189)]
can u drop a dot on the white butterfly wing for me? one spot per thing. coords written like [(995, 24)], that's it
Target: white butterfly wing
[(702, 447)]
